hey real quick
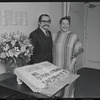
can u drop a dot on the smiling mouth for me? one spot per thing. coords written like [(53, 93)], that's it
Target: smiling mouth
[(65, 28)]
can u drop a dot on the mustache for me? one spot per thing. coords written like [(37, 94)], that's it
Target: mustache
[(46, 25)]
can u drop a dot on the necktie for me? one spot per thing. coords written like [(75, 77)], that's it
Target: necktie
[(47, 33)]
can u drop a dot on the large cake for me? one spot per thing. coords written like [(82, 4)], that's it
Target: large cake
[(40, 75)]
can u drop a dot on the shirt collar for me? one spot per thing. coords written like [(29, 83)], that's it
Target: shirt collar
[(42, 29)]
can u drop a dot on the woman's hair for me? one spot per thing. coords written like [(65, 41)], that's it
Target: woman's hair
[(40, 17), (65, 18)]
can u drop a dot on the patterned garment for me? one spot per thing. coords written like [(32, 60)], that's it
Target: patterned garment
[(66, 47)]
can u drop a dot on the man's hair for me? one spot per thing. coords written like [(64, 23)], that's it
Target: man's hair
[(65, 18), (40, 17)]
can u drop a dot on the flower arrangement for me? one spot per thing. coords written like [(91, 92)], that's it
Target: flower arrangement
[(15, 50)]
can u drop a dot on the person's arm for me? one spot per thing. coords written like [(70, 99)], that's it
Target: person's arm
[(33, 39), (33, 42), (71, 66), (54, 35), (75, 49)]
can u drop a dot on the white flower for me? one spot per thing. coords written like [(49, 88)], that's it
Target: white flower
[(25, 54), (23, 49), (4, 40), (6, 47), (16, 36), (11, 53), (2, 55), (13, 42), (7, 54), (16, 54), (27, 51), (16, 48)]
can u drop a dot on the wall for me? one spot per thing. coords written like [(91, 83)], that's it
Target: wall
[(33, 9), (77, 25)]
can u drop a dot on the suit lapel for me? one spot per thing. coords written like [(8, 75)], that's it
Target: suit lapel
[(41, 33)]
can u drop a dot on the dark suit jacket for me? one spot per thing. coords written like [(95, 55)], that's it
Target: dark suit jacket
[(42, 46)]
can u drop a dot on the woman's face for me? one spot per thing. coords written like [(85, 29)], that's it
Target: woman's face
[(64, 25)]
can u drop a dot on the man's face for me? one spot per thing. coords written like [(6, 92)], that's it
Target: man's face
[(45, 22)]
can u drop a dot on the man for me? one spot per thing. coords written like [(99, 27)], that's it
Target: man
[(42, 41)]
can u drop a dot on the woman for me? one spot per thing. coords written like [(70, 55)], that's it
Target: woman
[(66, 48)]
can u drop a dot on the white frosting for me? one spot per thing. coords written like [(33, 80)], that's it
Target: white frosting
[(40, 75)]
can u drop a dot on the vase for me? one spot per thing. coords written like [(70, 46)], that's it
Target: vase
[(2, 68), (10, 68)]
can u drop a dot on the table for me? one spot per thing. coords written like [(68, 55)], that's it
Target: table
[(6, 92), (9, 81)]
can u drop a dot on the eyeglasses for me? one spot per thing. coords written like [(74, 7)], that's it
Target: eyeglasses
[(46, 21)]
